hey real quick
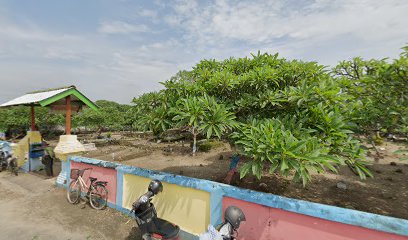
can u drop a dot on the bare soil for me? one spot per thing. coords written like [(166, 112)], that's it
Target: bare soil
[(385, 194), (32, 208)]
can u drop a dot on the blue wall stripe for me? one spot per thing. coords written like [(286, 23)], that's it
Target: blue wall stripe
[(119, 188), (217, 190), (68, 168), (216, 207)]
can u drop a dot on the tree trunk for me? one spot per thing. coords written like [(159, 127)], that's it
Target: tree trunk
[(194, 141), (99, 131)]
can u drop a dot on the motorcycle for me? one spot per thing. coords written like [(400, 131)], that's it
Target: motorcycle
[(7, 161), (153, 227), (3, 160), (145, 213), (228, 230)]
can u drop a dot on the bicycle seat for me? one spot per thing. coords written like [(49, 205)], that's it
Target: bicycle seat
[(101, 183), (92, 179)]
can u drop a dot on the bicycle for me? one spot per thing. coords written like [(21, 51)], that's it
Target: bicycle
[(96, 192)]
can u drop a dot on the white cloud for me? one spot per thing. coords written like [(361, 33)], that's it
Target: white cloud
[(120, 27), (280, 24), (120, 68), (29, 42), (31, 57), (62, 54), (30, 33), (263, 21), (147, 13)]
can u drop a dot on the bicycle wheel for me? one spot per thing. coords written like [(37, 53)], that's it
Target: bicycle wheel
[(98, 197), (73, 192)]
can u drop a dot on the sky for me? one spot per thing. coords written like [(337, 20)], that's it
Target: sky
[(117, 50)]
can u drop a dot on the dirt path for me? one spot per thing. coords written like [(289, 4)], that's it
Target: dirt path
[(32, 208)]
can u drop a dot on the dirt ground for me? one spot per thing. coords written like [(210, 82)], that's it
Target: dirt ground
[(385, 194), (32, 208)]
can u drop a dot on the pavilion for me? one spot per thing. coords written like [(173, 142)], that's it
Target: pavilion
[(65, 99)]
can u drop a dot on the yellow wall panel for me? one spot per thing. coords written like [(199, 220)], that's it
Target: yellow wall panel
[(189, 208), (21, 149)]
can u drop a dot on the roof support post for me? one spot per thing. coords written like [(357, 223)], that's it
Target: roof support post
[(68, 115), (32, 118)]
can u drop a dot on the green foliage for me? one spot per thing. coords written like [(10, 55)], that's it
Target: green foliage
[(152, 112), (354, 157), (378, 93), (270, 143), (189, 112), (47, 121), (302, 97), (207, 145), (111, 116), (290, 117), (403, 152), (156, 120), (203, 115), (13, 118), (20, 118)]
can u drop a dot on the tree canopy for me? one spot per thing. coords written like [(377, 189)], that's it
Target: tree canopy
[(288, 116)]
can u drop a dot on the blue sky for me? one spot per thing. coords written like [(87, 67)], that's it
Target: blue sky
[(117, 50)]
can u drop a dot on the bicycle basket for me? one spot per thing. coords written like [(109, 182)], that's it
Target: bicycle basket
[(75, 173)]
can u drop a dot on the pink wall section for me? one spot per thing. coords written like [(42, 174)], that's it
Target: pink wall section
[(265, 223), (103, 174)]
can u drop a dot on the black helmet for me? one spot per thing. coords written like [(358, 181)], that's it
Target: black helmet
[(155, 187), (234, 216)]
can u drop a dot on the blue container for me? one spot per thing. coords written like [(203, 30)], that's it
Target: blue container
[(36, 150)]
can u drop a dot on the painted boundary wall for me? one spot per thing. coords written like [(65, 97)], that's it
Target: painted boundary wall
[(102, 174), (194, 203)]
